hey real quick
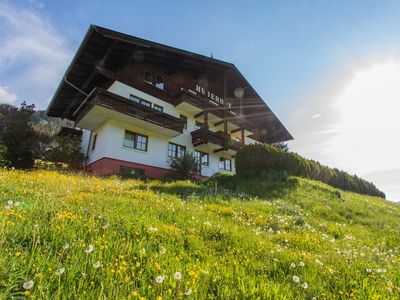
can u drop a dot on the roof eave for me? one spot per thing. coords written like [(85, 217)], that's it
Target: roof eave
[(88, 33)]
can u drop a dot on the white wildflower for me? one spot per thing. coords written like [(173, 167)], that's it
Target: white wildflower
[(66, 246), (89, 249), (10, 202), (293, 265), (59, 271), (368, 270), (304, 285), (178, 275), (296, 279), (96, 264), (17, 203), (302, 264), (163, 251), (28, 285)]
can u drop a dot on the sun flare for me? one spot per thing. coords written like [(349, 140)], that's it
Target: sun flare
[(370, 120)]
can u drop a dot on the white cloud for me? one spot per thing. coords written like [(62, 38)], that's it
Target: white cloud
[(316, 116), (33, 54), (7, 96)]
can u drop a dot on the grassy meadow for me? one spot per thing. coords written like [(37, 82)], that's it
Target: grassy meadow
[(66, 236)]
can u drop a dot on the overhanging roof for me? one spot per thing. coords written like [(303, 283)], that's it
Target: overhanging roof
[(103, 48)]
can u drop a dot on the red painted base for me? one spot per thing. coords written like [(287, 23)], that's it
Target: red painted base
[(110, 166)]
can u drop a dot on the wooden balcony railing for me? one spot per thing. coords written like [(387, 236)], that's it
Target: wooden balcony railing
[(204, 136), (125, 106)]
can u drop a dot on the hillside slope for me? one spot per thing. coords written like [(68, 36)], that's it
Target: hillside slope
[(74, 236)]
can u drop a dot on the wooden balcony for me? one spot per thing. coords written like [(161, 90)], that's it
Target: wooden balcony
[(204, 139), (101, 106)]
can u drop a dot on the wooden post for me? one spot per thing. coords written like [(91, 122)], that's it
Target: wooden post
[(206, 77), (225, 110)]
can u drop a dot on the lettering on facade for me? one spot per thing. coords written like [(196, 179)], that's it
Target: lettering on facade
[(214, 98)]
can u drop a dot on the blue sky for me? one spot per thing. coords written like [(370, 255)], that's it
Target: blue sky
[(301, 56)]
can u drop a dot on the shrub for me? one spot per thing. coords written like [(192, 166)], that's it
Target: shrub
[(3, 156), (253, 160), (183, 166), (68, 151)]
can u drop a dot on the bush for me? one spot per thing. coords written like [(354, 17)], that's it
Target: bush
[(3, 156), (253, 160), (67, 151), (183, 166)]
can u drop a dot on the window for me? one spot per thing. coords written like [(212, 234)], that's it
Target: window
[(135, 141), (160, 82), (175, 150), (126, 172), (139, 100), (134, 98), (158, 107), (148, 76), (94, 141), (225, 164), (145, 103), (184, 118), (201, 157)]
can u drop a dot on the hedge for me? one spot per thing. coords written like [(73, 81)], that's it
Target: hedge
[(252, 160)]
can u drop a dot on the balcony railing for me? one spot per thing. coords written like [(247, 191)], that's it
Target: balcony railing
[(204, 136), (100, 97)]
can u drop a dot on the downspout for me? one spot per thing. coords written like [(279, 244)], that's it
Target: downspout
[(87, 149)]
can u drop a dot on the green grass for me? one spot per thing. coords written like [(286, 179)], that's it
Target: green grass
[(229, 238)]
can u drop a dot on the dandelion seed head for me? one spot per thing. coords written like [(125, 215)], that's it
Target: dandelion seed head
[(296, 279), (96, 264), (59, 271), (160, 279), (293, 265), (28, 285), (188, 292), (89, 249), (304, 285), (178, 275), (302, 264)]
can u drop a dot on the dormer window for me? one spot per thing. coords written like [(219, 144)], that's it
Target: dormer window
[(148, 76), (160, 82)]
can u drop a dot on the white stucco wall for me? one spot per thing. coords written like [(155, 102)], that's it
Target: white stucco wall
[(111, 134)]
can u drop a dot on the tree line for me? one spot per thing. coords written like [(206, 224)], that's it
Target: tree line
[(253, 160), (28, 136)]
